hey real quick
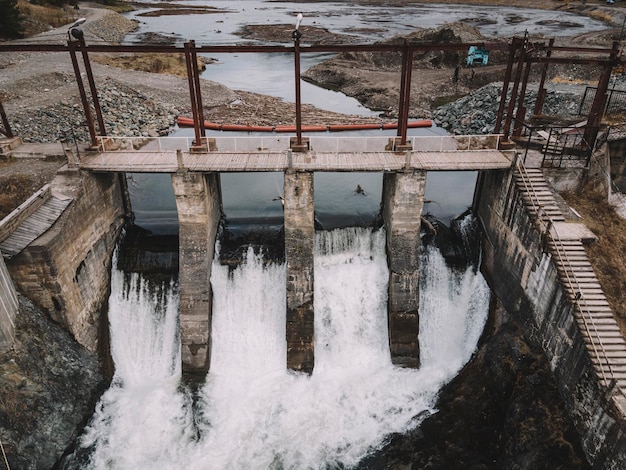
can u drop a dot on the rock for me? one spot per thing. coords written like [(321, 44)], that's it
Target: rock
[(126, 112), (49, 386), (502, 411)]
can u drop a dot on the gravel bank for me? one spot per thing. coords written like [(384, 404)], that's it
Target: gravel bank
[(476, 112), (42, 102)]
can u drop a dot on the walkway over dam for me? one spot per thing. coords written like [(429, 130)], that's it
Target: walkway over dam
[(237, 154), (197, 188)]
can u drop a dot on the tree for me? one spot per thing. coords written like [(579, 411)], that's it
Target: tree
[(10, 19)]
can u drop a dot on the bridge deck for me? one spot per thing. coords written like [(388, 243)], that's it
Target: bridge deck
[(167, 162)]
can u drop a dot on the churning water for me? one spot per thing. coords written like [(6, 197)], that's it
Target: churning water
[(253, 413)]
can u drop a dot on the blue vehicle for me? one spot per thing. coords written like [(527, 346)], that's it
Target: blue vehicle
[(477, 56)]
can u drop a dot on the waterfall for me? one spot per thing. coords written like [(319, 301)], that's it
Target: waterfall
[(253, 413)]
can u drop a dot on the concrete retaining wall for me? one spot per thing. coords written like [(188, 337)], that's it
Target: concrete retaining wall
[(66, 271), (8, 308), (520, 269)]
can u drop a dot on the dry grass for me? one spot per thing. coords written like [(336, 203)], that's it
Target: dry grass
[(40, 18), (600, 16), (608, 255), (173, 64), (15, 190), (574, 81)]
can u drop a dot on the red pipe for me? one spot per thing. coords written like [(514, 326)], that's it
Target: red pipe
[(352, 127), (188, 122)]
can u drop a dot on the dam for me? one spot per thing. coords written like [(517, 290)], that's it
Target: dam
[(523, 228)]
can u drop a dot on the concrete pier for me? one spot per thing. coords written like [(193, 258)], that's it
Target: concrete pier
[(299, 247), (198, 201), (403, 200), (66, 270)]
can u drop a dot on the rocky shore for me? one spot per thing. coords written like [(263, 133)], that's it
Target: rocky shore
[(49, 385)]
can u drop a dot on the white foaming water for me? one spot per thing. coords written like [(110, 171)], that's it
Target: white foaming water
[(251, 412)]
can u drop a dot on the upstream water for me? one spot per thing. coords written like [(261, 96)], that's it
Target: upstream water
[(248, 197), (250, 412)]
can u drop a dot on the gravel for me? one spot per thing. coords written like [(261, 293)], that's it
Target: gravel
[(42, 101), (476, 113)]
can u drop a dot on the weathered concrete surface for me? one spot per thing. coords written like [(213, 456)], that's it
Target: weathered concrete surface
[(403, 200), (519, 267), (66, 270), (49, 386), (616, 154), (198, 201), (299, 246), (8, 308)]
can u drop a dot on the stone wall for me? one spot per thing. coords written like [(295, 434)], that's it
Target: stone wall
[(66, 271), (519, 268), (8, 308)]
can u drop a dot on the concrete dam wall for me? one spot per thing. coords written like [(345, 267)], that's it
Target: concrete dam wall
[(560, 303), (66, 270)]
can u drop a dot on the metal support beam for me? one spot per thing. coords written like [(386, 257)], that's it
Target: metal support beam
[(192, 93), (296, 57), (83, 96), (92, 87), (520, 116), (515, 46), (405, 93), (599, 101), (5, 123), (516, 82), (541, 92), (196, 81)]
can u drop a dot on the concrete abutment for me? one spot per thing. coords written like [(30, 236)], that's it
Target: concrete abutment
[(524, 265), (66, 270)]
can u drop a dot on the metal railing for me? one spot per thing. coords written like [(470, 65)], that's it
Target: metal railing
[(560, 146), (281, 143), (615, 102)]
